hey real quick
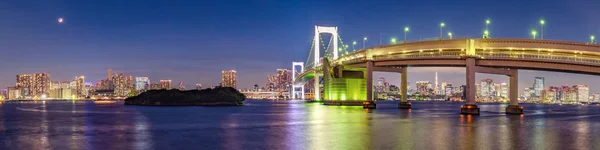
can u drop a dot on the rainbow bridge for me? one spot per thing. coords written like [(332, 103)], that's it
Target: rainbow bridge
[(347, 79)]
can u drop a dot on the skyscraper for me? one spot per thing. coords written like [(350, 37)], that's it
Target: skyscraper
[(538, 85), (228, 78), (436, 90), (80, 86), (141, 83), (120, 84), (109, 73)]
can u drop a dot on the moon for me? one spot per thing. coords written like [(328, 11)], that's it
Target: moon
[(60, 20)]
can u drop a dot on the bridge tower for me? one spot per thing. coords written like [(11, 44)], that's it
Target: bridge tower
[(317, 57), (293, 91)]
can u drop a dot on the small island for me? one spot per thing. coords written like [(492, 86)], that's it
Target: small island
[(220, 96)]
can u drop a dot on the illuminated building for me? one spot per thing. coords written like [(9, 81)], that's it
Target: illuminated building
[(548, 96), (504, 90), (24, 81), (595, 98), (198, 86), (436, 89), (109, 73), (558, 92), (448, 89), (422, 87), (119, 85), (13, 93), (583, 93), (570, 95), (538, 85), (129, 84), (63, 93), (33, 84), (80, 86), (280, 81), (165, 84), (443, 88), (486, 87), (229, 78), (141, 83)]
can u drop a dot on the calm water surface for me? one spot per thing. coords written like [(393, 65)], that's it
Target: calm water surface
[(265, 124)]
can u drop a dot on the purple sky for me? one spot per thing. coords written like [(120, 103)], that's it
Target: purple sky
[(192, 41)]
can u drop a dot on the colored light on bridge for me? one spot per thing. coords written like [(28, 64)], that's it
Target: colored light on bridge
[(406, 29), (353, 42), (365, 38), (542, 22), (442, 24), (487, 21)]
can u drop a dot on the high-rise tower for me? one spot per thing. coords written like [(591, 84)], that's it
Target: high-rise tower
[(436, 89), (109, 73)]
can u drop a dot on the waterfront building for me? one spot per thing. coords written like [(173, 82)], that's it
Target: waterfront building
[(33, 85), (13, 93), (583, 93)]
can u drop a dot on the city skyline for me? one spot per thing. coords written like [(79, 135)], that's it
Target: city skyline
[(157, 47)]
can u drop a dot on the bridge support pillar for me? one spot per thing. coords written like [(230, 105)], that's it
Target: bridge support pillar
[(317, 91), (369, 73), (404, 104), (470, 107), (514, 107)]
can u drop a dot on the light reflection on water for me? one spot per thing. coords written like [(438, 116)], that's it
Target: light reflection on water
[(294, 125)]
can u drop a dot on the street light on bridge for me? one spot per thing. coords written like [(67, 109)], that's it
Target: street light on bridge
[(364, 40), (393, 40), (486, 34), (441, 27), (534, 33), (353, 43), (592, 39), (405, 30), (542, 22), (450, 35)]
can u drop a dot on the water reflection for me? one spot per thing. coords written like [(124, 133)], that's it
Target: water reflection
[(142, 137), (293, 125)]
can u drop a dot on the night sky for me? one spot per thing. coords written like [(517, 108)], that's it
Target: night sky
[(192, 41)]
